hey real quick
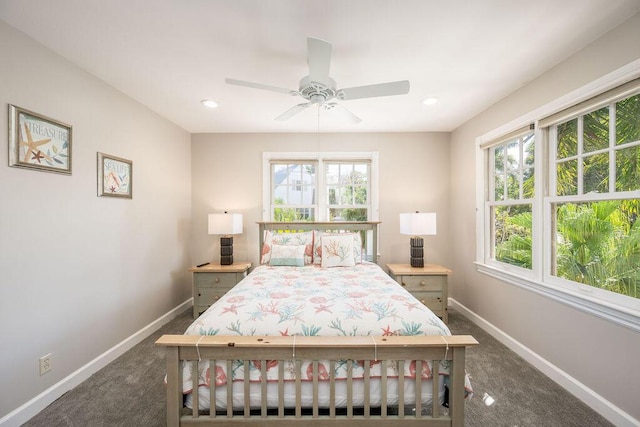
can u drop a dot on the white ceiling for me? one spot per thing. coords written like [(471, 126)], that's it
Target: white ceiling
[(170, 54)]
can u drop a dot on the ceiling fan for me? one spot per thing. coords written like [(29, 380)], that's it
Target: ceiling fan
[(319, 89)]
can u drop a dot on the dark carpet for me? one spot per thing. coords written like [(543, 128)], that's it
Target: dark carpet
[(130, 390)]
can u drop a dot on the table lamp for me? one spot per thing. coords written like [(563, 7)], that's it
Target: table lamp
[(416, 225), (225, 225)]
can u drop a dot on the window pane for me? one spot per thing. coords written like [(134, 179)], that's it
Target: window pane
[(528, 184), (567, 139), (498, 162), (513, 155), (513, 187), (529, 145), (350, 214), (499, 187), (596, 130), (628, 120), (598, 244), (567, 178), (596, 173), (512, 234), (628, 169)]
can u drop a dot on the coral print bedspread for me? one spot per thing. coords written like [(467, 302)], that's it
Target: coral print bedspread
[(353, 301)]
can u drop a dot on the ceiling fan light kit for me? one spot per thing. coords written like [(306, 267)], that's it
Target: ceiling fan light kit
[(318, 88)]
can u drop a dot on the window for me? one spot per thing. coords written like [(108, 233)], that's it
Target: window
[(345, 190), (594, 201), (561, 204), (511, 199)]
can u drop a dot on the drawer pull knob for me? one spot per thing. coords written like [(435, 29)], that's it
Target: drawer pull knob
[(423, 301), (217, 280), (423, 283)]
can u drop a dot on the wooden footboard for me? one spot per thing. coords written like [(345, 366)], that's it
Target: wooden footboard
[(286, 348)]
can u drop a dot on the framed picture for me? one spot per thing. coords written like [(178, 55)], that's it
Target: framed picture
[(115, 176), (38, 142)]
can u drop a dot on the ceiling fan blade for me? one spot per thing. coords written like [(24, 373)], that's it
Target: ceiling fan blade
[(371, 91), (319, 60), (261, 86), (345, 112), (292, 112)]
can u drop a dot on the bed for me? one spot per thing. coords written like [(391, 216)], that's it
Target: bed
[(323, 335)]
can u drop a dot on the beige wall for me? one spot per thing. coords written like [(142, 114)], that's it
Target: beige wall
[(414, 175), (80, 273), (599, 354)]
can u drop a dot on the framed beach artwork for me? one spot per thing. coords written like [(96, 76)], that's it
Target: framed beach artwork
[(38, 142), (115, 176)]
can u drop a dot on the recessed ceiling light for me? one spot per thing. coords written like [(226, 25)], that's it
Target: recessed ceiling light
[(209, 103), (430, 100)]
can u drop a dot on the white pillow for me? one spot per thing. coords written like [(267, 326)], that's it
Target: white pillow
[(287, 255), (317, 246), (287, 239), (337, 250)]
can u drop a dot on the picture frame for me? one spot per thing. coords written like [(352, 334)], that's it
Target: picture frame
[(115, 176), (39, 142)]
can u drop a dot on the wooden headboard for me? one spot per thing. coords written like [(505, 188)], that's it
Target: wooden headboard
[(368, 228)]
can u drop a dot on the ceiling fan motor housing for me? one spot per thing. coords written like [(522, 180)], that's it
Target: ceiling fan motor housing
[(317, 92)]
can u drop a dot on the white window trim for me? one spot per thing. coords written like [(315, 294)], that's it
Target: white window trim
[(371, 156), (581, 297)]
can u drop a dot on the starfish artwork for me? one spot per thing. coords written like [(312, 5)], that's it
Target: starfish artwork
[(37, 156), (38, 142)]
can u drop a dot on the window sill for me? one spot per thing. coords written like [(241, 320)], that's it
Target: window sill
[(624, 316)]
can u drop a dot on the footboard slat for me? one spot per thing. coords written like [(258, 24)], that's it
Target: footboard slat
[(281, 390), (435, 389), (316, 411), (331, 351), (419, 389), (247, 392), (229, 390), (332, 388), (349, 389), (400, 389), (263, 389), (383, 389), (212, 387), (195, 393), (367, 397)]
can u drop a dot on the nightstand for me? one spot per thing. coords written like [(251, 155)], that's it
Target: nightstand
[(212, 281), (428, 284)]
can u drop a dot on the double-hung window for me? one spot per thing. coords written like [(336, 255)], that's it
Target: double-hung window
[(510, 198), (320, 186), (561, 205), (594, 193)]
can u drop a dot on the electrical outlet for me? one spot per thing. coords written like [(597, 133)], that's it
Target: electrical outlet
[(45, 364)]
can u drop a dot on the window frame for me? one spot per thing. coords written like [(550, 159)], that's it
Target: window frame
[(320, 159), (614, 307)]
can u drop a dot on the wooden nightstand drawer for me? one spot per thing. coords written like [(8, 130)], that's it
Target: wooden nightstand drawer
[(423, 283), (432, 300), (218, 280), (207, 296)]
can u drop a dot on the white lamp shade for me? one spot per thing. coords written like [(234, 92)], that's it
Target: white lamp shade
[(225, 224), (418, 224)]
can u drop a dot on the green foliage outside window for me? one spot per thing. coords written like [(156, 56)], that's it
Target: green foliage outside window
[(597, 243)]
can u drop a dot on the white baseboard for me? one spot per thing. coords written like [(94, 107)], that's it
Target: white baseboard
[(31, 408), (615, 415)]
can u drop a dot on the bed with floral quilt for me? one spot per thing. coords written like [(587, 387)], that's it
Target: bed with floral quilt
[(335, 339)]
